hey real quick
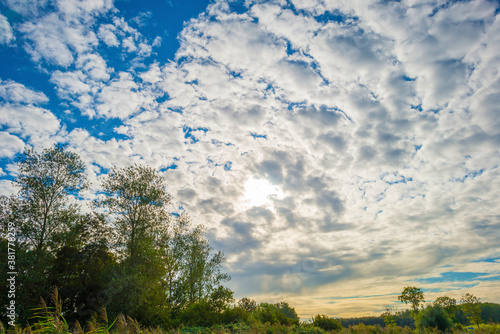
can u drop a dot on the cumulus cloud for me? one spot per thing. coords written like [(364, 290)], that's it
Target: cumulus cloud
[(374, 125), (27, 120), (10, 145), (16, 92)]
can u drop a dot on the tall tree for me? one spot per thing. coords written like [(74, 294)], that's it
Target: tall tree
[(201, 270), (137, 198), (412, 295), (472, 308), (43, 209), (47, 180)]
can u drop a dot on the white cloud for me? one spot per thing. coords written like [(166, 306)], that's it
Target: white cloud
[(28, 120), (82, 9), (55, 40), (377, 123), (70, 83), (94, 66), (15, 92), (27, 8), (10, 145), (6, 34), (122, 98), (6, 188), (107, 35)]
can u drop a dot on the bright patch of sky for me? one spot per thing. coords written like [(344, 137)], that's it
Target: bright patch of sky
[(260, 192), (334, 149)]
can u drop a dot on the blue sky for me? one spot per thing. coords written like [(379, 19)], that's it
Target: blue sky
[(337, 151)]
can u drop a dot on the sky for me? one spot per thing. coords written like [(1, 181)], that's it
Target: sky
[(336, 151)]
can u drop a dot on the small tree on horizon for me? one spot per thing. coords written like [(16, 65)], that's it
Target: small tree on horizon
[(414, 296)]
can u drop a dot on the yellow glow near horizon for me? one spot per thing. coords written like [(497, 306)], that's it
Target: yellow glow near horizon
[(260, 192)]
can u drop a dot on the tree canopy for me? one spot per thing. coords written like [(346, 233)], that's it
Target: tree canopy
[(412, 295)]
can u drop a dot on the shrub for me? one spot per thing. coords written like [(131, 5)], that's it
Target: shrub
[(199, 314), (280, 313), (235, 315), (366, 329), (433, 317), (328, 324)]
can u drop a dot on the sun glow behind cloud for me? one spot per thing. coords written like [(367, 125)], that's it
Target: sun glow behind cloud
[(260, 192)]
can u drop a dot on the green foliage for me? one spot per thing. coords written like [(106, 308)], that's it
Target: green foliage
[(490, 312), (46, 181), (199, 268), (471, 307), (412, 295), (389, 320), (200, 313), (247, 304), (362, 328), (82, 267), (328, 324), (133, 257), (433, 316), (279, 313), (136, 198), (448, 304), (50, 319), (42, 212), (235, 315)]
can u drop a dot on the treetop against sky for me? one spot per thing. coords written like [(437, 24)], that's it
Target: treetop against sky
[(337, 151)]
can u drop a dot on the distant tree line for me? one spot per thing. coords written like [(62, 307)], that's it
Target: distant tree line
[(446, 313)]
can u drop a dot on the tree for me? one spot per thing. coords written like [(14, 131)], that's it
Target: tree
[(82, 267), (220, 298), (433, 317), (412, 295), (200, 272), (472, 308), (43, 209), (137, 198), (47, 180), (247, 304), (448, 304), (166, 263)]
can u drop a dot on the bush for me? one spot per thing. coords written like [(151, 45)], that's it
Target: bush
[(328, 324), (433, 317), (199, 314), (365, 329), (280, 313), (235, 315)]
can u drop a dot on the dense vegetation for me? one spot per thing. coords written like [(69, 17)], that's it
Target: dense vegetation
[(126, 252), (126, 264)]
